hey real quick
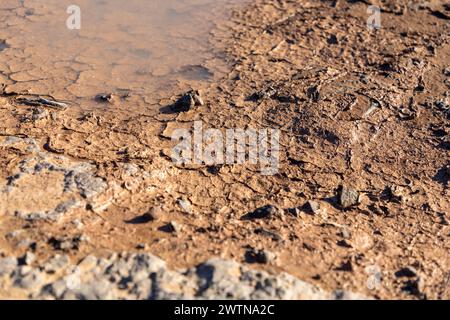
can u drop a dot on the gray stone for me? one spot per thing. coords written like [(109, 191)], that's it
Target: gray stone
[(187, 101), (146, 262), (130, 169), (348, 197), (39, 113), (185, 205), (447, 71), (56, 263), (144, 276), (89, 185), (29, 279), (345, 233), (28, 258), (88, 263), (154, 214), (142, 289), (7, 265), (99, 289), (55, 289), (312, 207)]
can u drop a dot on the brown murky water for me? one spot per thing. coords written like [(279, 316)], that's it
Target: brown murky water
[(148, 50)]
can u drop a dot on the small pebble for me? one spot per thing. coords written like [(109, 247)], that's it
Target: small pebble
[(261, 213), (28, 258), (408, 272), (348, 197), (259, 256), (447, 72), (185, 205), (171, 227), (312, 207), (141, 246), (154, 214)]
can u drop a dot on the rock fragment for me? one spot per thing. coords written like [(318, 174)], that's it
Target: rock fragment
[(348, 197), (261, 213), (100, 289), (56, 263), (154, 214), (104, 97), (270, 234), (447, 72), (28, 279), (408, 272), (144, 276), (171, 227), (313, 93), (88, 263), (345, 266), (88, 184), (55, 289), (7, 265), (187, 101), (312, 207), (28, 258), (333, 39), (185, 205), (294, 211), (259, 256), (39, 101)]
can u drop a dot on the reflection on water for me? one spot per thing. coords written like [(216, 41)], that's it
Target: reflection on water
[(143, 47)]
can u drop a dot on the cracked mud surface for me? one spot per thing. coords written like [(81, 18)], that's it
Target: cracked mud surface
[(362, 183)]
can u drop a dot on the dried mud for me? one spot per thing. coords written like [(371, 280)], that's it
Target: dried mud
[(364, 155)]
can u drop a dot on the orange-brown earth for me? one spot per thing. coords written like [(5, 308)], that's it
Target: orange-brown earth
[(358, 109)]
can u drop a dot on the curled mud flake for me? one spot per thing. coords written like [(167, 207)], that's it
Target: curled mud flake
[(374, 106), (188, 101), (38, 101), (39, 114), (105, 98), (440, 14), (259, 95), (51, 103), (261, 213)]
